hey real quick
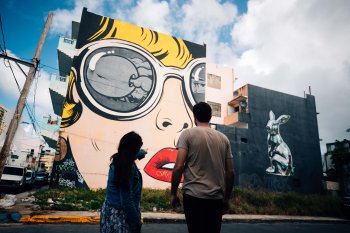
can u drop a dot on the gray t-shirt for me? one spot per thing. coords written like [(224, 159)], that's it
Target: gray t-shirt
[(204, 172)]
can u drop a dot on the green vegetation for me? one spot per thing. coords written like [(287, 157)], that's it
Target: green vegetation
[(243, 202), (70, 199), (273, 203)]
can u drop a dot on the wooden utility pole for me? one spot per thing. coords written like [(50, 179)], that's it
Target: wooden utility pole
[(23, 97)]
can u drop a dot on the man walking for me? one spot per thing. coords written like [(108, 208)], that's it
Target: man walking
[(205, 158)]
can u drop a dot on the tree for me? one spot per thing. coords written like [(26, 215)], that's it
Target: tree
[(340, 157)]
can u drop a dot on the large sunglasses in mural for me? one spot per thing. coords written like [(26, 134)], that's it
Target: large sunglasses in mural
[(122, 81)]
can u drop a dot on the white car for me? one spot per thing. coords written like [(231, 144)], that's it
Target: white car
[(13, 177), (30, 178)]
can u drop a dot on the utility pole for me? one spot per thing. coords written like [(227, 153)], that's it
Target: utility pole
[(23, 97)]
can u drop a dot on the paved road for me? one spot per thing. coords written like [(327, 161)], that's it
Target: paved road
[(181, 228)]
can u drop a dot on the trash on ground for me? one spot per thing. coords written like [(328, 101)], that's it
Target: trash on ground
[(8, 200)]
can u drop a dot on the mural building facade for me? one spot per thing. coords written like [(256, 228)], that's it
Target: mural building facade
[(126, 78)]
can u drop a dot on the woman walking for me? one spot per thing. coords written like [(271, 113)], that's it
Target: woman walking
[(121, 210)]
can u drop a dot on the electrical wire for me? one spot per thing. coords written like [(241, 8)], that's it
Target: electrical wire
[(30, 113), (53, 68)]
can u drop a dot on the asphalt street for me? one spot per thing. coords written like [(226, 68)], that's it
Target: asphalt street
[(181, 228)]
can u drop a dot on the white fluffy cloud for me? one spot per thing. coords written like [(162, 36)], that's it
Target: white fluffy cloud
[(152, 14), (62, 20), (290, 45), (203, 22)]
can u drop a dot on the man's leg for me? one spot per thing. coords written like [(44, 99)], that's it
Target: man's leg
[(194, 213), (213, 217)]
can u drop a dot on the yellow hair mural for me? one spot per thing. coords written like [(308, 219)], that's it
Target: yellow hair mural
[(71, 109), (170, 51)]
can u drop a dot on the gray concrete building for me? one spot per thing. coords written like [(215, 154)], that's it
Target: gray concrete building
[(275, 141)]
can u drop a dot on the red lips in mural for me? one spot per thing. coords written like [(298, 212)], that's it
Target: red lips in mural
[(161, 165)]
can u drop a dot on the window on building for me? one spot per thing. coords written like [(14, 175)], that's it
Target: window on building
[(216, 109), (214, 81), (244, 140), (347, 147), (68, 41)]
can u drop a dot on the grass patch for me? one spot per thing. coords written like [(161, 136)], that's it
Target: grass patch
[(244, 201), (247, 201), (70, 199)]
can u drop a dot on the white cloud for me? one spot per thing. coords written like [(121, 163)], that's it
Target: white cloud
[(203, 18), (62, 20), (150, 14), (202, 22), (290, 45)]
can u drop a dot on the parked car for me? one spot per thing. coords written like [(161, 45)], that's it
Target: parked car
[(13, 177), (42, 177), (30, 178), (346, 206)]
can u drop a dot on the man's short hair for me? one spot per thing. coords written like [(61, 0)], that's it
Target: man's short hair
[(202, 112)]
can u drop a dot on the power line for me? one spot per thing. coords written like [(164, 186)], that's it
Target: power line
[(30, 113), (53, 68)]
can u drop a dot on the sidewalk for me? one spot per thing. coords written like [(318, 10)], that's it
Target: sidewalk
[(25, 212)]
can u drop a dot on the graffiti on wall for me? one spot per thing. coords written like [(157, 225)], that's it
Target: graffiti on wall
[(65, 172), (125, 78), (278, 183), (281, 161)]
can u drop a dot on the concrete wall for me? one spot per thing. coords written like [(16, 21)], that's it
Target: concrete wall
[(219, 88), (300, 133)]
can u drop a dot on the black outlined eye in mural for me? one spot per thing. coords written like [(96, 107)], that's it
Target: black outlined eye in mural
[(281, 162)]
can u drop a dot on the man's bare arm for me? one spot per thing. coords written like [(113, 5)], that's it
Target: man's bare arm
[(229, 177), (177, 174)]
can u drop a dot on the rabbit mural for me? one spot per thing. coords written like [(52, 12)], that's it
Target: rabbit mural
[(281, 162)]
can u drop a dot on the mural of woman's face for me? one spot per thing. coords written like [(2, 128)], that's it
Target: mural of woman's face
[(141, 81), (119, 81)]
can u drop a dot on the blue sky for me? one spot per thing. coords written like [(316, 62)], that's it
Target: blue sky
[(281, 45)]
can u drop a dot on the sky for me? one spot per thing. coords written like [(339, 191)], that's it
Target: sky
[(285, 46)]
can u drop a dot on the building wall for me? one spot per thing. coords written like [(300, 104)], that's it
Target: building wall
[(219, 89), (3, 112), (300, 133), (126, 78)]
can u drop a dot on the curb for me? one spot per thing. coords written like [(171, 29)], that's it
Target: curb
[(180, 218), (59, 219)]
